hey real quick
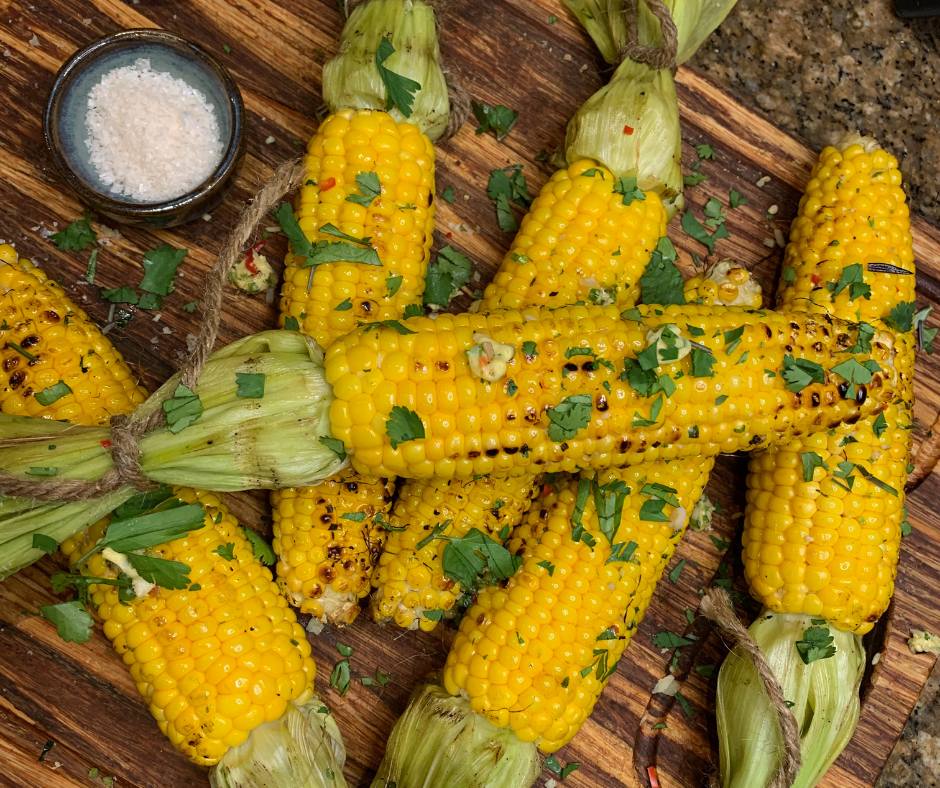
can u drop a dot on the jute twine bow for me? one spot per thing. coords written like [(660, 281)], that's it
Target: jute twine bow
[(655, 57), (127, 430), (457, 94), (716, 607)]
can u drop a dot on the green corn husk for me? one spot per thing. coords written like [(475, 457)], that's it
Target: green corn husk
[(824, 695), (236, 444), (302, 749), (638, 96), (351, 80), (439, 741)]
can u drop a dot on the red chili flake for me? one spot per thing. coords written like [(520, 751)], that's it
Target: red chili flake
[(628, 129), (654, 779), (106, 444), (547, 489), (815, 279), (449, 235), (328, 184)]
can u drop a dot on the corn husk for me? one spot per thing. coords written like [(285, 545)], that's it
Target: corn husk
[(824, 695), (236, 444), (302, 749), (638, 97), (440, 741), (351, 80)]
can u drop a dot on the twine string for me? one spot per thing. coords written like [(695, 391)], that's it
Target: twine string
[(716, 607), (655, 57)]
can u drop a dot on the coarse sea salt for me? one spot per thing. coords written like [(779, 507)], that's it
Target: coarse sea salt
[(151, 136)]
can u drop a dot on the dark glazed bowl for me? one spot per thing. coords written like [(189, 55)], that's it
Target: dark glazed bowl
[(64, 122)]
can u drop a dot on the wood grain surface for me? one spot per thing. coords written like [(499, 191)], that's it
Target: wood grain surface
[(508, 52)]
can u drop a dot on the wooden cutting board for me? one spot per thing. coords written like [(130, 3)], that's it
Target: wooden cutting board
[(509, 52)]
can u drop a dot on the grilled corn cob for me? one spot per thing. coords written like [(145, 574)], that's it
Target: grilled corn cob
[(448, 421), (54, 362), (350, 148), (371, 175), (217, 659), (327, 539), (580, 241), (724, 284), (408, 577), (824, 541)]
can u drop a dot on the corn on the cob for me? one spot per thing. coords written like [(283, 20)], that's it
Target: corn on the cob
[(824, 539), (724, 284), (535, 653), (327, 539), (217, 659), (54, 362), (325, 560), (350, 148), (582, 240), (409, 579), (450, 423)]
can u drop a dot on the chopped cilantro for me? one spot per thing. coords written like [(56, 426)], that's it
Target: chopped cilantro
[(667, 639), (182, 409), (852, 278), (901, 317), (735, 200), (53, 393), (705, 151), (569, 416), (799, 373), (77, 236), (529, 348), (629, 190), (662, 281), (403, 425), (674, 574), (250, 385), (401, 90), (702, 364), (448, 195), (880, 425), (499, 119), (160, 266), (446, 276), (369, 187), (811, 461), (816, 644)]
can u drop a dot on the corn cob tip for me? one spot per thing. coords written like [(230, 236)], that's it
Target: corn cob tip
[(850, 138)]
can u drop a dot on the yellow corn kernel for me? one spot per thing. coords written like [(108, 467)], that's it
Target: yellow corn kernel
[(45, 341), (217, 659), (330, 299), (406, 572), (503, 429), (327, 539), (579, 242), (535, 652)]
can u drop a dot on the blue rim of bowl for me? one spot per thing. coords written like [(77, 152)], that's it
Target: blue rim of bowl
[(102, 201)]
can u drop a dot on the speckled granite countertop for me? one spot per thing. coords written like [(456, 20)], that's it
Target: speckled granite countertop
[(880, 75)]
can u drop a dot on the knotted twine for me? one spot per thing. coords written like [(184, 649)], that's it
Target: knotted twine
[(127, 430), (457, 94), (716, 607), (656, 57)]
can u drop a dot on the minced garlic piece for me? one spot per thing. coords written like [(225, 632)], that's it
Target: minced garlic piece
[(141, 586), (489, 358), (671, 346)]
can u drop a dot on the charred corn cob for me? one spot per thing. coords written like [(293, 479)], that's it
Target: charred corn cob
[(327, 539), (54, 362), (408, 577), (724, 284), (582, 240), (217, 659), (352, 153), (412, 404), (823, 521)]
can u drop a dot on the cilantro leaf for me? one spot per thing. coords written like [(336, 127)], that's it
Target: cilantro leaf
[(629, 190), (395, 325), (735, 200), (816, 644), (71, 620), (863, 342), (854, 373), (799, 373), (393, 283), (657, 406), (171, 575), (694, 178), (92, 266), (529, 348), (182, 409), (667, 639), (291, 323), (45, 543), (702, 364), (343, 306), (250, 385), (652, 511), (340, 678), (77, 236), (448, 195), (226, 551), (511, 183), (446, 276), (507, 222), (401, 90), (53, 393), (925, 336), (120, 295), (901, 317), (694, 229), (811, 461), (499, 119), (403, 425), (160, 266), (705, 151), (334, 445), (369, 187), (341, 252), (662, 281), (261, 549), (880, 425), (299, 243), (569, 416), (853, 278)]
